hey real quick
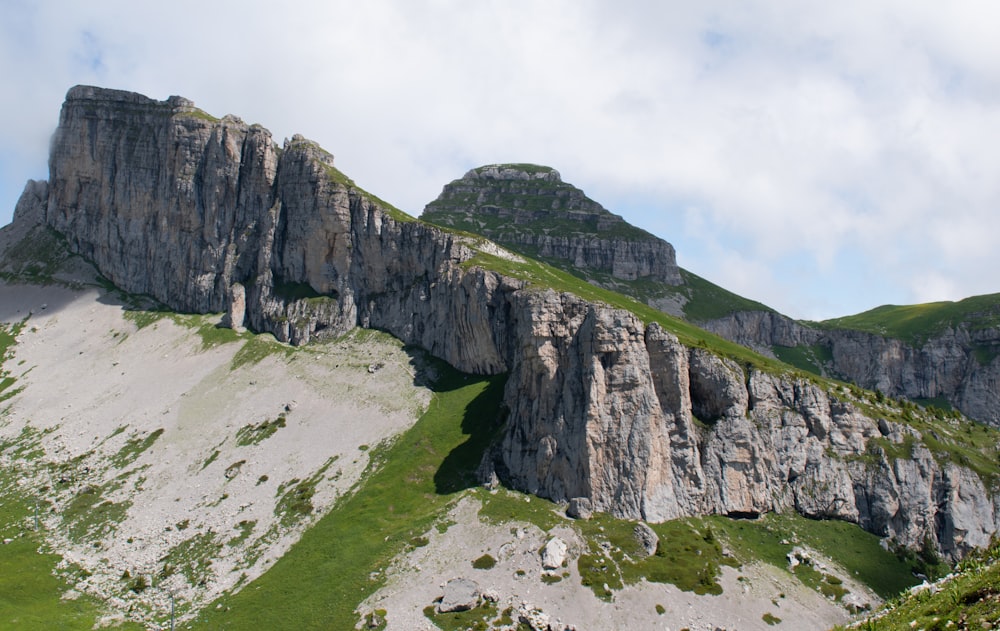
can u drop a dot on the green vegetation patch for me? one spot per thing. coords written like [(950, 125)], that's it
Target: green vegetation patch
[(193, 557), (485, 562), (771, 537), (295, 497), (255, 434), (339, 561), (771, 619), (8, 338), (481, 618), (505, 506), (30, 590), (133, 448), (88, 516), (707, 301), (213, 334), (915, 324), (968, 600), (257, 348), (141, 318), (689, 556), (808, 358)]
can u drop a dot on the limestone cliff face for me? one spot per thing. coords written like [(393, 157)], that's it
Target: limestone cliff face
[(202, 213), (211, 215), (604, 408), (959, 364), (529, 208)]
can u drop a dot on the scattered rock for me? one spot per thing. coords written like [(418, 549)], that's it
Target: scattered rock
[(798, 556), (291, 405), (554, 553), (374, 620), (374, 368), (460, 594), (535, 618), (491, 595), (855, 603), (580, 508), (647, 538)]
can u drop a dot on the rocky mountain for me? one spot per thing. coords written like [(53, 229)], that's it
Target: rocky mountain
[(603, 408), (945, 355), (529, 209)]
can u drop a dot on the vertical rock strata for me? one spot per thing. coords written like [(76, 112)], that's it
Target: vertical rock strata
[(211, 215), (960, 364)]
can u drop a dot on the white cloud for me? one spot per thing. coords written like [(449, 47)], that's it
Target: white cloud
[(800, 131)]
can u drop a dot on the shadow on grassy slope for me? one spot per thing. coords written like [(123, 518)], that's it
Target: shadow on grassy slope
[(482, 420), (342, 559)]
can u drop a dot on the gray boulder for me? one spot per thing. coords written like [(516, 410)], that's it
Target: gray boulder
[(460, 594)]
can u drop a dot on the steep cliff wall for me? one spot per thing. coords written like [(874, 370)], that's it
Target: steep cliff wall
[(206, 214), (960, 364), (605, 408)]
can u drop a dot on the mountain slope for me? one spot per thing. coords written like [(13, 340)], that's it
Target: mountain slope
[(608, 403), (135, 564), (941, 353)]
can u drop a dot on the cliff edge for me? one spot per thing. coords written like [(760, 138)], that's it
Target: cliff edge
[(208, 214)]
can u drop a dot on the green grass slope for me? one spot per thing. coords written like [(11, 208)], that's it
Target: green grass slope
[(915, 324), (31, 593), (967, 599), (338, 562)]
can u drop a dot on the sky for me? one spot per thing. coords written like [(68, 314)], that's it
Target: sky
[(822, 158)]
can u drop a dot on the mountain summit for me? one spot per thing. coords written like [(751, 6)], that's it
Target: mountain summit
[(530, 209)]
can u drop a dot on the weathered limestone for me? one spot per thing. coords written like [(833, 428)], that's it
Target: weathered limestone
[(961, 364), (210, 215), (495, 200)]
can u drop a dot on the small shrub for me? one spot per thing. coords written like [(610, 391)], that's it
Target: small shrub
[(485, 562), (139, 585), (770, 619), (660, 609)]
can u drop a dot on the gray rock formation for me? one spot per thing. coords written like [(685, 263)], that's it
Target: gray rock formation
[(647, 538), (554, 554), (650, 429), (498, 201), (579, 508), (960, 364), (167, 201), (460, 594)]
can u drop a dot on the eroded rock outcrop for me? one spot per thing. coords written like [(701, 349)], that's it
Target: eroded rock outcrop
[(497, 200), (650, 429), (211, 215), (961, 364)]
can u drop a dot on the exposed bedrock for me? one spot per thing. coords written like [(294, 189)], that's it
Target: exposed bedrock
[(210, 215)]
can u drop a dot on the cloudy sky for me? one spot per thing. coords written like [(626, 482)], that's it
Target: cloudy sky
[(823, 158)]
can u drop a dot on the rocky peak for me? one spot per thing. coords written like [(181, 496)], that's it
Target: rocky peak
[(530, 209), (517, 172), (210, 215)]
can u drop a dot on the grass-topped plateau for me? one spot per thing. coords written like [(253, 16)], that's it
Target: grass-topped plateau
[(915, 324)]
